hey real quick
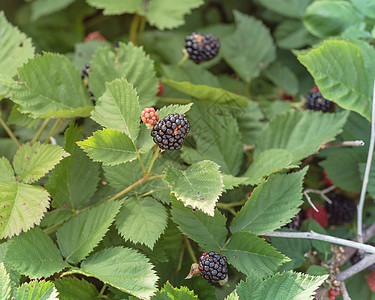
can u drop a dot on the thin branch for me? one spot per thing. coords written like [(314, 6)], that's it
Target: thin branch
[(367, 172), (190, 249), (358, 143), (10, 133), (322, 193), (322, 237), (344, 292), (358, 267), (40, 130)]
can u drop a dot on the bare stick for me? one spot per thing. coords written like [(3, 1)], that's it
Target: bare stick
[(367, 173), (322, 193), (358, 267), (358, 143), (322, 237), (344, 292)]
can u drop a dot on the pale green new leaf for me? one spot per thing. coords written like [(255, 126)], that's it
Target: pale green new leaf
[(335, 79), (33, 160), (208, 94), (78, 236), (141, 220), (301, 133), (6, 171), (117, 7), (34, 254), (22, 207), (268, 162), (272, 204), (5, 287), (119, 108), (109, 146), (199, 186), (43, 290), (40, 8), (168, 14), (171, 109), (168, 292), (129, 62), (16, 48), (123, 268), (74, 288), (249, 253), (232, 296), (209, 232), (50, 86), (250, 49)]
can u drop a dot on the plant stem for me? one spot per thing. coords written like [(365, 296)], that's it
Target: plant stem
[(248, 85), (322, 193), (40, 130), (133, 29), (367, 172), (190, 250), (142, 26), (185, 58), (230, 204), (153, 160), (141, 163), (358, 267), (344, 291), (322, 237), (102, 290), (174, 100), (10, 132), (51, 132)]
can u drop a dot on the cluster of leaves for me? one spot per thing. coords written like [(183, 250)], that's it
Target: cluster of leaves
[(88, 205)]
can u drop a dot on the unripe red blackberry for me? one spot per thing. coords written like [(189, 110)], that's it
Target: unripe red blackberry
[(213, 266), (171, 131), (202, 47), (149, 116), (341, 210), (315, 101)]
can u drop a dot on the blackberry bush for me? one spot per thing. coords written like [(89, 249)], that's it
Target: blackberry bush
[(202, 47)]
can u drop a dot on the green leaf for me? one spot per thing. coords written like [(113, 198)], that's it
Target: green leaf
[(268, 162), (142, 220), (16, 50), (199, 186), (170, 292), (33, 160), (232, 296), (168, 14), (249, 253), (288, 8), (271, 205), (291, 34), (119, 108), (78, 236), (73, 288), (209, 232), (327, 18), (128, 62), (44, 290), (34, 254), (301, 133), (367, 8), (74, 181), (40, 8), (117, 7), (282, 77), (109, 146), (208, 94), (332, 76), (84, 52), (6, 171), (123, 268), (50, 86), (22, 207), (5, 287), (288, 285), (250, 49), (171, 109)]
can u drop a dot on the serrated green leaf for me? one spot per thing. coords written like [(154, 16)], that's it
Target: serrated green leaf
[(199, 186), (208, 94), (271, 205), (5, 287), (171, 109), (117, 7), (209, 232), (282, 77), (232, 296), (18, 118), (73, 288), (268, 162), (123, 268), (332, 76), (84, 52), (40, 8), (119, 108), (27, 256), (6, 171), (50, 86), (33, 160), (169, 292), (288, 8), (301, 133), (142, 220), (250, 49), (367, 8), (249, 253), (43, 290), (16, 50), (231, 182), (109, 146), (78, 236), (22, 207), (129, 62), (74, 181)]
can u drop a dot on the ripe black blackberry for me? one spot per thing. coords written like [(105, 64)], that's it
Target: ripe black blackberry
[(315, 101), (171, 131), (85, 72), (341, 210), (358, 256), (213, 266), (296, 222), (202, 47)]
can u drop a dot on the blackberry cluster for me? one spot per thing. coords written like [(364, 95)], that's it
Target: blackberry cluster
[(358, 256), (315, 101), (85, 72), (296, 222), (213, 266), (341, 210), (171, 131), (202, 47)]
